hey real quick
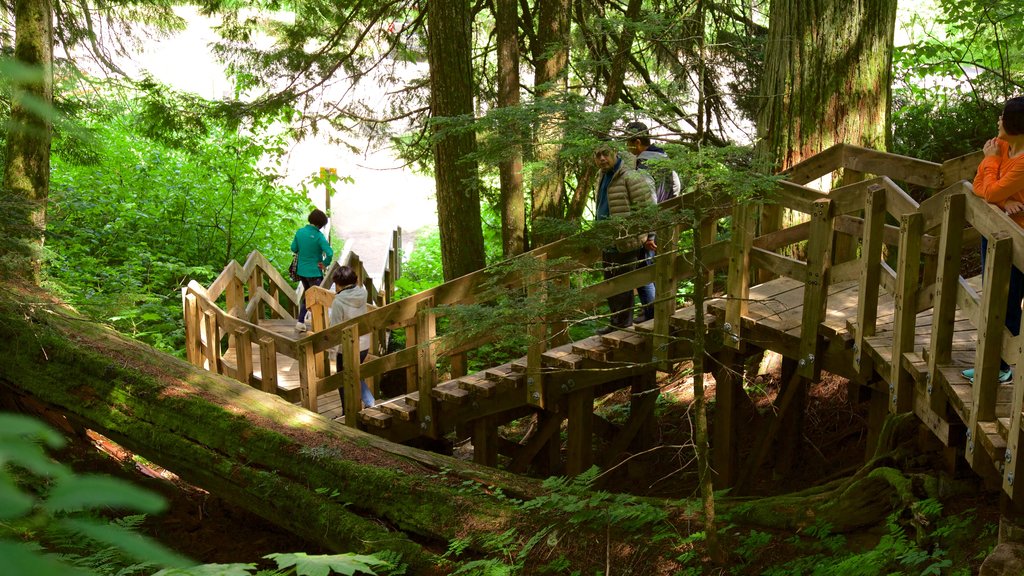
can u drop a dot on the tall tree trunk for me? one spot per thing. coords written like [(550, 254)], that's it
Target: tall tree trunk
[(513, 207), (552, 57), (451, 106), (27, 166), (828, 67)]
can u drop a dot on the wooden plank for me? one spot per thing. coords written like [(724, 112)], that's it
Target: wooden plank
[(738, 283), (785, 237), (1012, 474), (905, 299), (824, 162), (193, 343), (819, 262), (243, 356), (777, 264), (990, 331), (549, 424), (212, 341), (581, 427), (426, 363), (913, 170), (537, 292), (870, 256), (961, 168), (485, 441), (351, 389), (268, 365), (946, 288), (796, 197), (306, 368)]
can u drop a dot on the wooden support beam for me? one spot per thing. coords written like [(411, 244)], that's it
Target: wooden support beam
[(1013, 474), (990, 332), (787, 448), (268, 365), (213, 363), (788, 393), (905, 311), (871, 254), (243, 356), (537, 290), (351, 391), (641, 416), (947, 282), (548, 426), (485, 441), (728, 375), (819, 263), (426, 365), (738, 289), (581, 423), (306, 368), (193, 338)]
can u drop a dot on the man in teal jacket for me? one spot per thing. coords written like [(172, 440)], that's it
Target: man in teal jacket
[(314, 255)]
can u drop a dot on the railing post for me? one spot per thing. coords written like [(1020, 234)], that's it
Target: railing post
[(947, 282), (665, 285), (213, 363), (243, 356), (1014, 472), (905, 314), (738, 289), (256, 284), (193, 343), (426, 362), (350, 389), (870, 271), (306, 365), (990, 335), (536, 287), (819, 263), (268, 365)]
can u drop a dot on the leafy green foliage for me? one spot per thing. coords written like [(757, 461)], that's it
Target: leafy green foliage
[(46, 502), (135, 218)]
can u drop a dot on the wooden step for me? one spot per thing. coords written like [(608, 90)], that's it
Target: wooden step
[(412, 399), (593, 348), (625, 340), (374, 418), (398, 409), (505, 376), (563, 358), (484, 386), (993, 443), (451, 393)]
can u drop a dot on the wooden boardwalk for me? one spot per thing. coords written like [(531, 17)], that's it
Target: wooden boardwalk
[(882, 304)]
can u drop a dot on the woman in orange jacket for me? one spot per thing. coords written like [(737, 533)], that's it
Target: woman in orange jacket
[(1000, 181)]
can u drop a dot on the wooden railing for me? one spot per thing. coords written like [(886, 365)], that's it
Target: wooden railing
[(255, 292), (417, 316)]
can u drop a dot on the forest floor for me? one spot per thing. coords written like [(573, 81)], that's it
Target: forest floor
[(210, 530)]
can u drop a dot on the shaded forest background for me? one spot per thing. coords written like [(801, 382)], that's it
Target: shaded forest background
[(146, 187)]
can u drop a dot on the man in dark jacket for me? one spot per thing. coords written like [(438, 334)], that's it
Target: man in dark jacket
[(620, 191)]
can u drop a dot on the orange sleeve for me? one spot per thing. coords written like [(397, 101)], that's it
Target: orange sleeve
[(996, 188)]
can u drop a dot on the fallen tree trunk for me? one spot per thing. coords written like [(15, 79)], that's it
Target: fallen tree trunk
[(339, 487), (253, 449)]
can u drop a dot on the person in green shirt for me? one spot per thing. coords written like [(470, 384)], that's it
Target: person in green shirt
[(314, 255)]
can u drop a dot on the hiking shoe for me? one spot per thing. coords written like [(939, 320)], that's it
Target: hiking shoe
[(1004, 375), (605, 330), (300, 327)]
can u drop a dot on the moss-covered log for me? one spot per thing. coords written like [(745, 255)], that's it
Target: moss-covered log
[(342, 488), (253, 449)]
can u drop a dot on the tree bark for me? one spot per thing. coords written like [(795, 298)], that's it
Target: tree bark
[(451, 107), (550, 81), (513, 207), (828, 68), (27, 166)]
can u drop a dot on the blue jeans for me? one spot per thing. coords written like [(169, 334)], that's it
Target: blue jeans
[(367, 395), (646, 292), (307, 283), (1015, 294)]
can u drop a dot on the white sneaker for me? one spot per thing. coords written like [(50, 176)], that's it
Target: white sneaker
[(300, 327)]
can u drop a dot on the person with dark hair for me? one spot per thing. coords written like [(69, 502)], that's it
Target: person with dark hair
[(1000, 181), (314, 254), (638, 142), (666, 185), (350, 302), (620, 191)]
